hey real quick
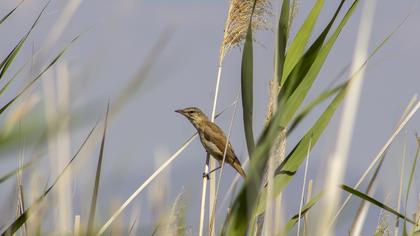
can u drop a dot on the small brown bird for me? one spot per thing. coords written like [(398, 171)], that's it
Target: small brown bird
[(212, 138)]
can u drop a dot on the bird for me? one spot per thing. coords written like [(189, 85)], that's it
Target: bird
[(212, 138)]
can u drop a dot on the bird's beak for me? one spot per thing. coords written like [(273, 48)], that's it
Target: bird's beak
[(180, 112)]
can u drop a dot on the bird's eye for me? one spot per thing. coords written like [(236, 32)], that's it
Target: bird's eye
[(190, 112)]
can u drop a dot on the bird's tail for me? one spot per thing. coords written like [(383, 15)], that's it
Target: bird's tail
[(237, 166)]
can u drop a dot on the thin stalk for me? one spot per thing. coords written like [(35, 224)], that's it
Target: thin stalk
[(211, 163), (203, 197), (92, 211), (303, 187), (213, 209), (308, 198)]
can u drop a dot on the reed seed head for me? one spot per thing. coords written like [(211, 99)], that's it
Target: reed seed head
[(238, 20)]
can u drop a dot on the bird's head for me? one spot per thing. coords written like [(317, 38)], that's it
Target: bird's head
[(193, 114)]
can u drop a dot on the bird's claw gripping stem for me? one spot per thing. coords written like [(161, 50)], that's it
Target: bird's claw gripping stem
[(206, 175)]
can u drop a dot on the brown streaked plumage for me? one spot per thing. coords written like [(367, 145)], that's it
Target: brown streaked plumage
[(212, 137)]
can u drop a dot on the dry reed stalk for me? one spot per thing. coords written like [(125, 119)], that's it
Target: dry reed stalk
[(57, 102), (55, 163), (303, 187), (308, 198), (76, 227), (64, 188), (336, 167), (236, 26), (159, 191)]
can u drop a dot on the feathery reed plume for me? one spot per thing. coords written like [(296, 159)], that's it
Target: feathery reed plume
[(238, 20)]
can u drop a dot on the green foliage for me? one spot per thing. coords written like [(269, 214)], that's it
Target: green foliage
[(374, 202), (410, 181), (10, 13), (247, 84), (282, 36), (292, 222), (297, 47), (5, 64), (92, 211)]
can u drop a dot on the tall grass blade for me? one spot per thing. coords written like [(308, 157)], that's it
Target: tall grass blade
[(247, 88), (326, 94), (4, 65), (290, 165), (11, 229), (97, 177), (10, 13), (410, 182), (314, 103), (5, 86), (282, 36), (362, 210), (297, 47), (301, 69), (292, 222), (15, 171), (374, 202), (298, 94), (237, 222), (2, 109)]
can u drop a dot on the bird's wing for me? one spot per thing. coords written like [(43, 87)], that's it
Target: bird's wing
[(215, 134)]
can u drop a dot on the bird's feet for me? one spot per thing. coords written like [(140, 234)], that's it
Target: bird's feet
[(206, 175)]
